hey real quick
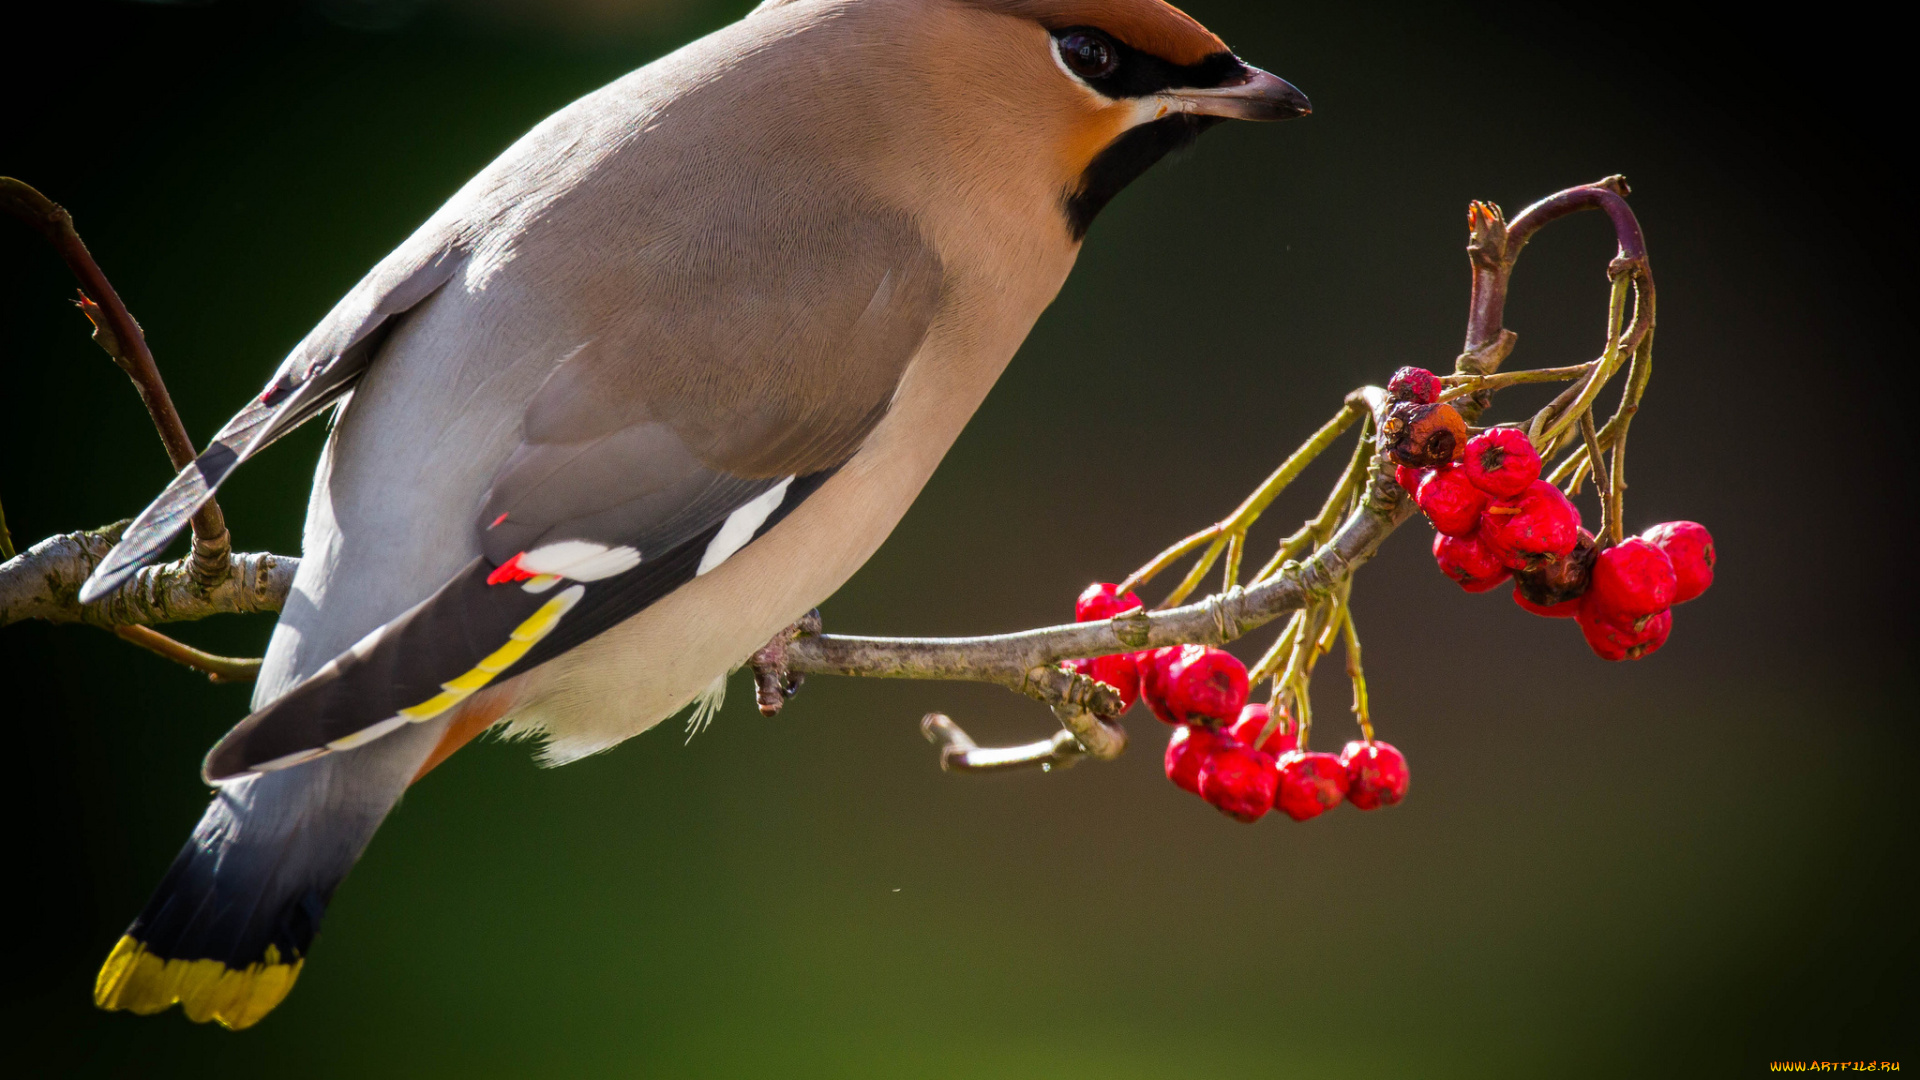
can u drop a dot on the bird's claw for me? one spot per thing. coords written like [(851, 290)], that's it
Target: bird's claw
[(774, 681)]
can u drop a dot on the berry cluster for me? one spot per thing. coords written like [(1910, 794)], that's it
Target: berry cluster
[(1496, 518), (1242, 758)]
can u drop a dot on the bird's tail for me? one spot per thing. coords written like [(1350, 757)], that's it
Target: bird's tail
[(227, 931)]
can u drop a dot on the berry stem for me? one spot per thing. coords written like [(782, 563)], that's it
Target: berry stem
[(1600, 482), (1617, 490), (1255, 504), (1358, 675), (1637, 377), (1459, 386), (1553, 421), (1352, 483), (1236, 546), (1282, 647), (1194, 576), (1247, 512), (1167, 558)]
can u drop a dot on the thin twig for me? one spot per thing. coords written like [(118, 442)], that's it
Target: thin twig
[(958, 753), (123, 340), (220, 669)]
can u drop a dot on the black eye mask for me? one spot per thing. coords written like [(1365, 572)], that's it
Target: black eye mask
[(1138, 74)]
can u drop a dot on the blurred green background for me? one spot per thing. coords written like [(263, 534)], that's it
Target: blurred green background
[(1690, 865)]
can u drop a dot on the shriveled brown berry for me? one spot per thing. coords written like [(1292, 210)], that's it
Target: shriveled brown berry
[(1548, 587), (1563, 609), (1422, 436), (1415, 384)]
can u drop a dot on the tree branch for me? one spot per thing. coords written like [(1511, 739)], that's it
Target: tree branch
[(44, 581)]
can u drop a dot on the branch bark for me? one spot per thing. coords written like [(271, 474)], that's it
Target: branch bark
[(44, 581)]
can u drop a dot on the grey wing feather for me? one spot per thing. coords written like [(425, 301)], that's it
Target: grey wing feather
[(647, 458), (320, 370)]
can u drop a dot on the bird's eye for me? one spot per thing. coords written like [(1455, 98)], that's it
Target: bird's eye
[(1089, 54)]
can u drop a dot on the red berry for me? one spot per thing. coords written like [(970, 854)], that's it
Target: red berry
[(1119, 672), (1376, 774), (1153, 665), (1501, 462), (1564, 609), (1205, 684), (1253, 723), (1689, 546), (1450, 501), (1238, 780), (1534, 527), (1098, 602), (1630, 580), (1408, 478), (1310, 784), (1186, 751), (1466, 560), (1414, 384), (1622, 639)]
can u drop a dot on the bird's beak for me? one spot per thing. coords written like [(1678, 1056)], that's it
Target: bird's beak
[(1251, 95)]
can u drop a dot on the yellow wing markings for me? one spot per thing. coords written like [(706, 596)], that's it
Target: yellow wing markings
[(531, 629)]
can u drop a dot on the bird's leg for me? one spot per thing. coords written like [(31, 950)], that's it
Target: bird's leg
[(774, 680)]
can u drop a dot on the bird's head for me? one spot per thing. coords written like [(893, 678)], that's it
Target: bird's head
[(1125, 82)]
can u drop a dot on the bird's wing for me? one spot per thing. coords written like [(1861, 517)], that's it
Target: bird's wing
[(323, 367), (655, 451)]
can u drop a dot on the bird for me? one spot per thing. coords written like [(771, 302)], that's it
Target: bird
[(643, 392)]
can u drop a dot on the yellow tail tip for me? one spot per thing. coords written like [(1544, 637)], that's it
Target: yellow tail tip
[(138, 981)]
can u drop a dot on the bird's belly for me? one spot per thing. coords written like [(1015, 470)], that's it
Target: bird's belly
[(644, 670)]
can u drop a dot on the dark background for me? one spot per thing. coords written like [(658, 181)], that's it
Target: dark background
[(1690, 865)]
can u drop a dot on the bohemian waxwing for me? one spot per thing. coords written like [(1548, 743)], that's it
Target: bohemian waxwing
[(647, 389)]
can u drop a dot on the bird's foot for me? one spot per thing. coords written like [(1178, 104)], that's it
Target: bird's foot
[(774, 680)]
